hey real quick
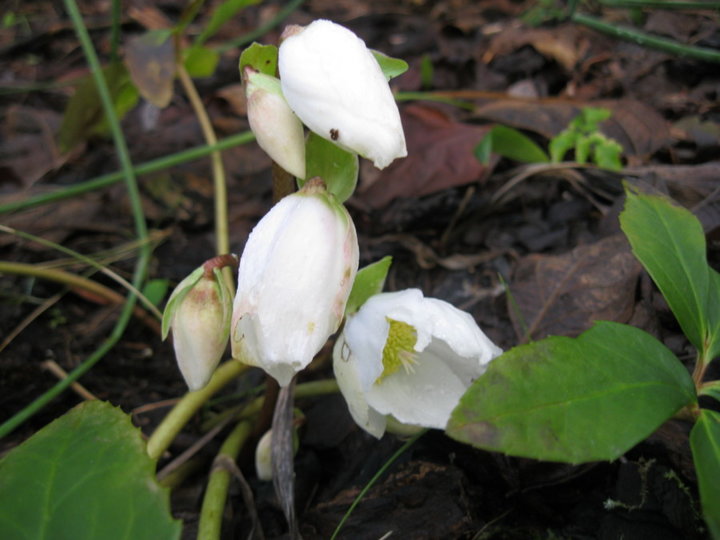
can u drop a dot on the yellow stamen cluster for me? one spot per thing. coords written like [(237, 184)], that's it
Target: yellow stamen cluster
[(399, 349)]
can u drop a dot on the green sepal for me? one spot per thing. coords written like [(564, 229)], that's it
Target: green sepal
[(391, 67), (337, 167), (177, 296), (262, 58), (369, 281)]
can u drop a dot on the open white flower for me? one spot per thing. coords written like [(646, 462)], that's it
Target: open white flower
[(334, 84), (409, 358), (294, 279), (277, 130)]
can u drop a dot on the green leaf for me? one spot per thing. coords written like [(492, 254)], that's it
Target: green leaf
[(510, 143), (155, 290), (711, 389), (84, 476), (391, 67), (574, 399), (369, 281), (84, 114), (263, 58), (560, 144), (223, 13), (670, 243), (705, 445), (337, 167), (606, 154), (200, 61)]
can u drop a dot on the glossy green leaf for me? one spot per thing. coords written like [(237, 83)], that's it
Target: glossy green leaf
[(705, 445), (220, 15), (391, 67), (263, 58), (84, 476), (84, 114), (337, 167), (201, 61), (510, 143), (670, 243), (574, 399), (369, 281)]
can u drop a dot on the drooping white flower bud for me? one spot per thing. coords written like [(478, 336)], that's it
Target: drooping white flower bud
[(410, 358), (334, 84), (277, 130), (294, 279), (199, 312)]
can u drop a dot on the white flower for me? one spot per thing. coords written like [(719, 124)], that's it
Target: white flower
[(294, 279), (198, 312), (334, 84), (277, 130), (408, 358)]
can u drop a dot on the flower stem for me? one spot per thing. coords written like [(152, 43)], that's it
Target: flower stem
[(222, 237), (213, 504), (176, 419)]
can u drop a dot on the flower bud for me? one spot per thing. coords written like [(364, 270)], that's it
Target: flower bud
[(199, 312), (407, 359), (277, 130), (337, 88), (294, 279)]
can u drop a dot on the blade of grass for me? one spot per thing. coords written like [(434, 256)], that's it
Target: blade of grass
[(148, 167), (90, 262), (647, 40), (400, 451), (138, 218)]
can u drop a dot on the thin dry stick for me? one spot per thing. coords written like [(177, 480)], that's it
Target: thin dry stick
[(54, 368), (22, 325)]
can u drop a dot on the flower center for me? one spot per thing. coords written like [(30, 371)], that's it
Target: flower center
[(399, 349)]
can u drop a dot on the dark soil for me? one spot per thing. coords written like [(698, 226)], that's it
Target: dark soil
[(456, 229)]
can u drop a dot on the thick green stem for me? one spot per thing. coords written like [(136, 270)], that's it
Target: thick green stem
[(180, 415), (148, 167), (647, 40), (213, 504)]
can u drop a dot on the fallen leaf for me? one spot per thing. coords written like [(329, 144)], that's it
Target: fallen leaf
[(564, 294), (562, 44), (150, 59), (440, 156), (638, 128)]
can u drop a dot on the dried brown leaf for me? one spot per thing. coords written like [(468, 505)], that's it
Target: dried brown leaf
[(565, 294), (150, 59), (440, 156)]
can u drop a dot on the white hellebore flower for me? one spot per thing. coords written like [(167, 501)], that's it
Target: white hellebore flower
[(277, 130), (406, 358), (294, 279), (334, 84), (198, 312)]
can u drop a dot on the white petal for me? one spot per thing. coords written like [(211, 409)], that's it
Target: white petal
[(346, 368), (427, 395), (334, 84), (293, 280), (277, 130)]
